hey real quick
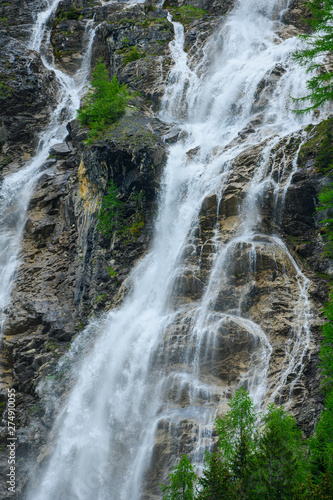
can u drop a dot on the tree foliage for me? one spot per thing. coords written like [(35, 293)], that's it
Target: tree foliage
[(238, 433), (265, 462), (279, 463), (321, 444), (319, 46), (104, 103), (181, 482), (217, 482)]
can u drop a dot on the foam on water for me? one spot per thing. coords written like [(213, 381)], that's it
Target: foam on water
[(153, 350), (16, 189)]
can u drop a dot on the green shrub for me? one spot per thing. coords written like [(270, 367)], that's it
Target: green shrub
[(111, 214), (104, 103), (134, 55), (71, 13), (187, 13), (111, 272)]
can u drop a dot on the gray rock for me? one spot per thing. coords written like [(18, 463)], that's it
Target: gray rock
[(60, 149)]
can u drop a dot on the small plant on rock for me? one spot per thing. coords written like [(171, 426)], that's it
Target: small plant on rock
[(111, 214), (104, 103)]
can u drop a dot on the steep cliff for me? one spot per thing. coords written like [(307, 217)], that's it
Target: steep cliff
[(70, 274)]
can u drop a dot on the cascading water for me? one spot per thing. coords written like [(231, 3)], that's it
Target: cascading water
[(156, 372), (16, 189)]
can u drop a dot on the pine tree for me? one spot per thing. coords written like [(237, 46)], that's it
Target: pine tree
[(217, 482), (319, 44), (280, 457), (321, 444), (238, 434), (181, 482)]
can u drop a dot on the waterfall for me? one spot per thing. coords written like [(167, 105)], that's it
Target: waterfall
[(154, 374), (16, 189)]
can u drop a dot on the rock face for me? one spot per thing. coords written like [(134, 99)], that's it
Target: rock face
[(71, 272), (27, 97)]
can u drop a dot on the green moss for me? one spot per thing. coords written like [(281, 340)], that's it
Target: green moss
[(51, 346), (326, 277), (111, 272), (186, 14), (133, 55), (147, 22), (36, 408), (100, 298), (126, 41), (319, 147), (5, 90), (72, 14)]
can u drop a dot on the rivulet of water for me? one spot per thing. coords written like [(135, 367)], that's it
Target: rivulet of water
[(158, 372), (16, 189)]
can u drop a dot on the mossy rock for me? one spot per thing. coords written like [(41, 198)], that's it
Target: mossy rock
[(319, 148), (130, 132), (186, 14)]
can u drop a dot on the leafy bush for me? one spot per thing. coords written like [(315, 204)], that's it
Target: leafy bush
[(104, 103)]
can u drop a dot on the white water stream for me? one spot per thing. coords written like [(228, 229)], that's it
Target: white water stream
[(153, 370), (16, 189)]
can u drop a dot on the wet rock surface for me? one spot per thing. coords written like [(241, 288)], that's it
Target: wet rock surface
[(27, 97), (70, 272)]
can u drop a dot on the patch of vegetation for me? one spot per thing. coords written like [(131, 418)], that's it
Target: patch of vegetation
[(186, 14), (72, 14), (78, 326), (319, 43), (35, 409), (51, 346), (58, 54), (111, 214), (5, 90), (265, 462), (126, 41), (104, 103), (111, 272), (144, 23), (128, 133), (319, 147), (100, 298), (126, 220), (133, 55)]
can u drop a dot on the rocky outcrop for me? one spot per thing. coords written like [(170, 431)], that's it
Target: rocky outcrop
[(70, 272), (27, 96), (17, 17)]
